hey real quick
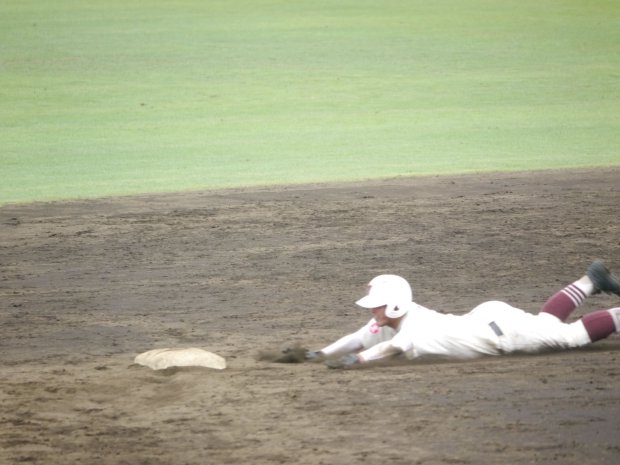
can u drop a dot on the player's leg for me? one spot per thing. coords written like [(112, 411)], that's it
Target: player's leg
[(542, 332), (597, 279), (564, 302), (602, 323)]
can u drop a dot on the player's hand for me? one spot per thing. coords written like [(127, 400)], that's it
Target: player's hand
[(311, 356), (346, 361)]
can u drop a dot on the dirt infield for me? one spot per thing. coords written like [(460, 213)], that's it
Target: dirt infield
[(87, 285)]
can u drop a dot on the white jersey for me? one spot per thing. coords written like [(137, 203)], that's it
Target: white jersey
[(492, 328), (424, 332)]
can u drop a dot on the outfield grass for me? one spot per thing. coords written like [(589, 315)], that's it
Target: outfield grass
[(123, 97)]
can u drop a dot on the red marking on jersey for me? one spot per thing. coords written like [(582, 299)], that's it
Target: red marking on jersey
[(374, 328)]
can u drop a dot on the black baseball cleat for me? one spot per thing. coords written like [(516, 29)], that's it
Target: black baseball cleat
[(602, 279)]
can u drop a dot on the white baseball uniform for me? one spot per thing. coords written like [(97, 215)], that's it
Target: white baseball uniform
[(492, 328)]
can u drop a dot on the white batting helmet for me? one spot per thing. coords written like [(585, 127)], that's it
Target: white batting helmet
[(390, 290)]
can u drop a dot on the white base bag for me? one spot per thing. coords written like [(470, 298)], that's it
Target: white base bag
[(160, 359)]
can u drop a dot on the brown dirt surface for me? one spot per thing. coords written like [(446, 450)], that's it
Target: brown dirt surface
[(87, 285)]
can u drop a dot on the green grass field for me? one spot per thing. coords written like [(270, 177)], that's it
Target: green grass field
[(133, 96)]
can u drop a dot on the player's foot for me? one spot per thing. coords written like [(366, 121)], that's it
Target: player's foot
[(602, 279)]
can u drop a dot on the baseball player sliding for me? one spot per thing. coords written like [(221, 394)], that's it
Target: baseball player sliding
[(401, 326)]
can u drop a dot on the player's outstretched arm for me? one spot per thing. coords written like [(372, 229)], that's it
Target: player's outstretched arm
[(378, 352), (297, 354), (345, 345)]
